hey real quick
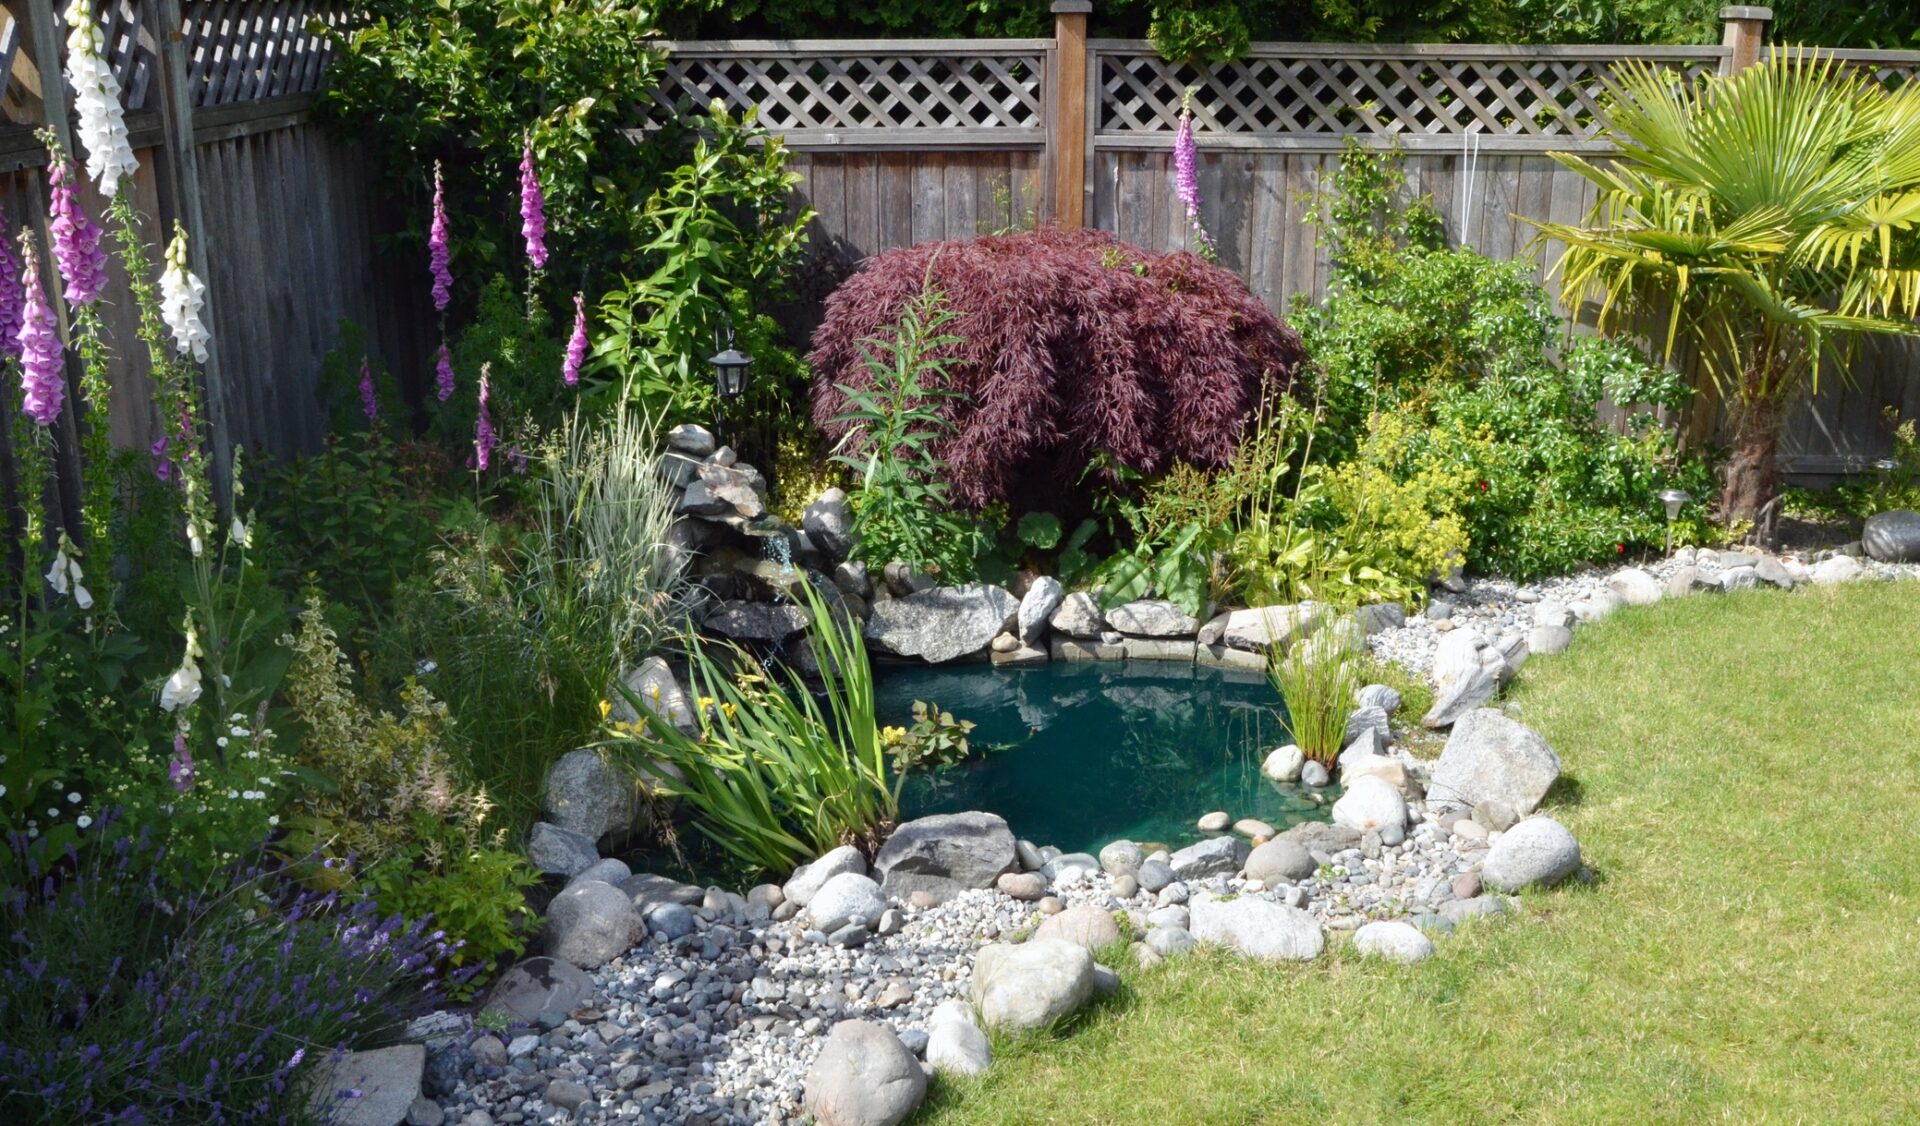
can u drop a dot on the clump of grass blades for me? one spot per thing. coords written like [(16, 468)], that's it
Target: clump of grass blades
[(777, 773), (1317, 679)]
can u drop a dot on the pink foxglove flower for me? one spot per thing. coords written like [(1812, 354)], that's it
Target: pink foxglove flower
[(180, 767), (533, 210), (577, 346), (1186, 173), (41, 377), (438, 253), (483, 438), (368, 402), (182, 295), (76, 238), (162, 464), (13, 296), (96, 102), (443, 373)]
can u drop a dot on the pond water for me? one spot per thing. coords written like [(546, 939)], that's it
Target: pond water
[(1102, 750)]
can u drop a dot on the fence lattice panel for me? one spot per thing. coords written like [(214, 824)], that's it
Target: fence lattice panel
[(244, 51)]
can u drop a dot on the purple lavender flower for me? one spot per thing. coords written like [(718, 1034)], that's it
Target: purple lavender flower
[(76, 238), (576, 347), (437, 252), (533, 210), (483, 439), (368, 402), (1186, 172), (443, 373), (40, 358), (13, 296), (180, 768)]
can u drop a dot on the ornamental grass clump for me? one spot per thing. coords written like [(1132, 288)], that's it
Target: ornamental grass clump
[(1316, 680), (1074, 349), (123, 1001)]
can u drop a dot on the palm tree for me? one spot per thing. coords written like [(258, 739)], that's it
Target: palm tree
[(1768, 217)]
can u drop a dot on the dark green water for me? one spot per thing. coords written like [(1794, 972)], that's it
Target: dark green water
[(1104, 750)]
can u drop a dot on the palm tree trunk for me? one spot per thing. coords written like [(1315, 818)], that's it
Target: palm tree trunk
[(1752, 473)]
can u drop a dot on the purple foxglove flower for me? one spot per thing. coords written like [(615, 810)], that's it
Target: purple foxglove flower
[(180, 768), (1186, 173), (437, 252), (13, 296), (41, 377), (368, 403), (576, 347), (483, 439), (443, 373), (162, 464), (533, 210), (76, 238)]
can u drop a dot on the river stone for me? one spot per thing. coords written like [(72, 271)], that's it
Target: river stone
[(691, 439), (1635, 586), (1839, 569), (1170, 942), (1220, 856), (1370, 804), (383, 1081), (1089, 927), (1028, 887), (590, 924), (1535, 853), (1394, 941), (1314, 773), (1037, 608), (1549, 640), (1258, 928), (955, 1043), (1122, 858), (828, 522), (1892, 536), (559, 852), (1033, 985), (1267, 627), (652, 682), (539, 991), (1284, 763), (942, 624), (761, 623), (1322, 836), (1215, 822), (808, 878), (1280, 860), (608, 871), (1551, 613), (863, 1076), (1253, 827), (1152, 617), (588, 795), (844, 898), (1367, 718), (1155, 875), (1490, 757), (1078, 616), (647, 891), (945, 854), (1769, 570), (1378, 696), (1466, 673)]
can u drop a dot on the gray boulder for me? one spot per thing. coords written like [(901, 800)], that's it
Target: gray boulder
[(1635, 586), (559, 852), (843, 899), (608, 871), (590, 796), (1893, 536), (955, 1043), (1769, 570), (659, 691), (1838, 569), (1378, 696), (1262, 628), (647, 891), (1597, 606), (1170, 942), (1537, 852), (1033, 985), (828, 522), (1280, 860), (1221, 856), (1070, 867), (691, 439), (1122, 858), (371, 1088), (946, 854), (762, 623), (1380, 617), (1394, 941), (1258, 928), (590, 924), (1549, 640), (1152, 617), (1551, 613), (941, 624), (808, 878), (1367, 717), (1088, 927), (1037, 608), (1466, 673), (1490, 757), (539, 991), (863, 1076), (1370, 805), (1078, 616), (1154, 875)]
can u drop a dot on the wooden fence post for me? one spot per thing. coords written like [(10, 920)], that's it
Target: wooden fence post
[(1744, 34), (1067, 131)]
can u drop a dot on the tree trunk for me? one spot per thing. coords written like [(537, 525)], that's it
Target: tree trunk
[(1752, 475)]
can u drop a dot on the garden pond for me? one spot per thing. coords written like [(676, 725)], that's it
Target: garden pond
[(1078, 754)]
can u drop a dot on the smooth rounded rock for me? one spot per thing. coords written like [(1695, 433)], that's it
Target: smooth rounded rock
[(1025, 886), (1280, 860), (1537, 852), (1035, 984), (1215, 822), (956, 1045), (1283, 764), (590, 924), (1892, 536), (1394, 941), (1121, 858), (864, 1076), (1258, 928), (1154, 875), (844, 898), (809, 878), (1370, 804), (1089, 927)]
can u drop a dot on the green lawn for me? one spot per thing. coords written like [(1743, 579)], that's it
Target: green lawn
[(1741, 773)]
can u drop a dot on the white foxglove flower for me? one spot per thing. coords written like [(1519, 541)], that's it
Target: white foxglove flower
[(65, 574), (181, 296), (57, 574), (96, 102), (194, 539), (237, 533), (82, 597), (183, 687)]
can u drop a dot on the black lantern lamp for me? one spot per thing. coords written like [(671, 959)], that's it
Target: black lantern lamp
[(730, 365)]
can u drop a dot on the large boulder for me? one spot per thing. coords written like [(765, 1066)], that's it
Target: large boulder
[(1370, 804), (1537, 852), (1467, 671), (539, 991), (863, 1076), (1088, 927), (828, 522), (371, 1088), (559, 852), (1280, 860), (1893, 536), (955, 1043), (945, 854), (1838, 569), (941, 624), (591, 924), (1394, 941), (760, 623), (809, 878), (1490, 757), (843, 899), (1079, 616), (1037, 608), (1635, 586), (1220, 856), (1258, 928), (645, 891), (1152, 617), (590, 796), (659, 691), (1265, 627), (1033, 985)]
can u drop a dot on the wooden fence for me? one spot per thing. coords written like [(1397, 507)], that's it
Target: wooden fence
[(903, 141)]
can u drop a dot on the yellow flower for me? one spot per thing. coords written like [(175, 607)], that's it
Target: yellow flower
[(727, 710), (890, 736), (605, 710), (706, 702)]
